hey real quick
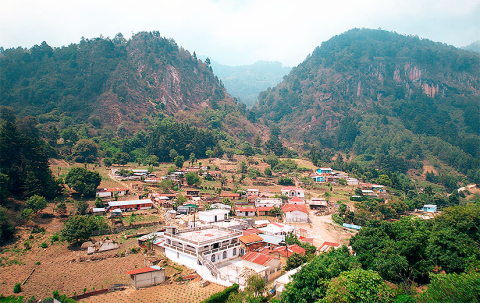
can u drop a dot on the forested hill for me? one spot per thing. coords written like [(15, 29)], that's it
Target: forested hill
[(245, 82), (373, 93), (107, 81)]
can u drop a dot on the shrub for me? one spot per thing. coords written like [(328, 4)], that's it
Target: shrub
[(337, 219), (37, 263), (222, 296), (54, 238), (44, 245), (27, 245), (17, 288)]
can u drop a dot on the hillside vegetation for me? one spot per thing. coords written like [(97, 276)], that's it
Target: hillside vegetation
[(376, 93)]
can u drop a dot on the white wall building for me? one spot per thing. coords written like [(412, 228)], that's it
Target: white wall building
[(268, 202), (203, 249), (213, 215), (291, 192), (295, 213)]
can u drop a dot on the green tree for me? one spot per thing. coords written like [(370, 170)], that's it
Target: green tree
[(98, 202), (173, 154), (152, 160), (107, 162), (121, 158), (36, 203), (78, 228), (192, 159), (454, 288), (272, 160), (311, 281), (83, 181), (358, 285), (85, 150), (192, 178), (179, 160), (7, 229), (295, 261), (267, 172), (82, 207)]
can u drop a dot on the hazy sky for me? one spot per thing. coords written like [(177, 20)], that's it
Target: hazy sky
[(236, 32)]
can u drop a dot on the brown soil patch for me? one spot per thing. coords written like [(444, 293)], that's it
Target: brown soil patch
[(427, 167), (187, 292)]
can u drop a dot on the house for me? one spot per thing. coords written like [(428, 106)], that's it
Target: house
[(250, 231), (273, 241), (291, 192), (233, 196), (324, 171), (296, 200), (318, 202), (203, 249), (268, 202), (111, 192), (285, 252), (253, 192), (184, 209), (369, 193), (213, 215), (246, 211), (250, 243), (277, 229), (264, 210), (99, 211), (221, 206), (272, 265), (115, 213), (295, 213), (429, 208), (130, 205), (193, 193), (352, 181), (318, 178), (148, 276), (327, 246), (378, 188)]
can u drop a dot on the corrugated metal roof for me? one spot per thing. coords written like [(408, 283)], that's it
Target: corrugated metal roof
[(257, 258), (132, 202), (249, 239)]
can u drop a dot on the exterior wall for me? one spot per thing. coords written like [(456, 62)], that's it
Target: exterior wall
[(296, 216), (181, 258), (211, 218), (245, 213), (104, 194), (148, 279)]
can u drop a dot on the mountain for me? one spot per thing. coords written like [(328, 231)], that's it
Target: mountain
[(474, 46), (144, 96), (109, 80), (376, 93), (245, 82)]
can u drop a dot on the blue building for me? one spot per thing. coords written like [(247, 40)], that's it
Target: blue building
[(429, 208), (324, 170)]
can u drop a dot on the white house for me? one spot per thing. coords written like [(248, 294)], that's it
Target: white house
[(246, 211), (203, 249), (148, 276), (291, 192), (268, 202), (295, 213), (253, 192), (296, 200), (352, 181), (277, 229), (213, 215), (130, 205), (110, 192)]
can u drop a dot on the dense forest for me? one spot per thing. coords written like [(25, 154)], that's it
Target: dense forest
[(374, 93)]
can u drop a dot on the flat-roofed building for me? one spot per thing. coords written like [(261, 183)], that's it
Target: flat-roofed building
[(130, 205)]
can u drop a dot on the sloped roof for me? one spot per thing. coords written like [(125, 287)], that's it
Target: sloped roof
[(144, 270), (291, 250), (296, 199), (245, 209), (264, 208), (291, 188), (250, 231), (257, 258), (293, 207), (326, 246), (249, 239)]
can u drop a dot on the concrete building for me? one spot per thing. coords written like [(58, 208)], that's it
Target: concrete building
[(203, 249), (130, 205), (296, 200), (213, 215), (148, 276), (429, 208), (246, 211), (270, 266), (277, 229), (291, 192), (268, 202), (295, 213), (111, 192)]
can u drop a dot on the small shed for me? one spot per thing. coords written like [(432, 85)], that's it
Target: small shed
[(99, 211), (148, 276), (429, 208), (116, 213), (213, 215)]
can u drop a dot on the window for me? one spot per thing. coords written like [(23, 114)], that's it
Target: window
[(178, 255), (213, 258), (225, 254), (234, 251)]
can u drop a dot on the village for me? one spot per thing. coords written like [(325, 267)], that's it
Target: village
[(196, 241)]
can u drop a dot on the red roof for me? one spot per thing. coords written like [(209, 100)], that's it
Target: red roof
[(296, 199), (252, 197), (243, 209), (257, 258), (291, 249), (111, 189), (250, 239), (251, 231), (326, 246), (264, 208), (142, 270), (293, 207)]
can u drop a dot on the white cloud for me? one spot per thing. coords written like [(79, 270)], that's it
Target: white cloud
[(235, 31)]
